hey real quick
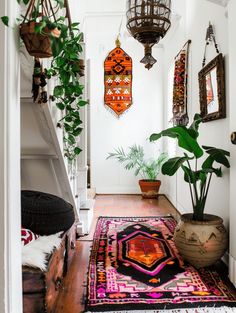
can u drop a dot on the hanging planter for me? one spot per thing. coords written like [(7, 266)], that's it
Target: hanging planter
[(44, 36), (39, 28)]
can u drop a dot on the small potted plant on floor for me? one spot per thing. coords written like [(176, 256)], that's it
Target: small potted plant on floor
[(200, 238), (148, 169)]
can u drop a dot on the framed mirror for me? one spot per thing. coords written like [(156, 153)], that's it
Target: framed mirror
[(212, 90)]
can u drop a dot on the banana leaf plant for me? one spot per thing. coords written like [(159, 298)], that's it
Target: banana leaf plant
[(197, 173)]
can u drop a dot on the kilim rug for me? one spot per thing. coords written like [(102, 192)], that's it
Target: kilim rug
[(135, 267)]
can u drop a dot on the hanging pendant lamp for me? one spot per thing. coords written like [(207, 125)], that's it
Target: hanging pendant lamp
[(148, 21)]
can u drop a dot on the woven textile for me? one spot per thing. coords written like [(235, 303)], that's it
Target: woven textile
[(118, 81), (180, 114), (134, 266)]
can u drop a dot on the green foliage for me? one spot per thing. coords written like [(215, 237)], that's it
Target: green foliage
[(198, 177), (68, 93), (5, 20), (134, 159)]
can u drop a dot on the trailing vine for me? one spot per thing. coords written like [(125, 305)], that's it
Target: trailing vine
[(68, 93), (65, 67)]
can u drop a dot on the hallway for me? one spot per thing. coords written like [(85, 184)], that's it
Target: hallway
[(72, 298)]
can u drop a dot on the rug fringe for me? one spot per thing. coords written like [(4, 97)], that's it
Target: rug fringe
[(195, 310)]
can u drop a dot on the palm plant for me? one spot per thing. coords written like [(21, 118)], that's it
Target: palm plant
[(198, 177), (134, 159)]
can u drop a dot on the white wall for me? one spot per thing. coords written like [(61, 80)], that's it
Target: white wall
[(10, 242), (145, 115), (193, 26)]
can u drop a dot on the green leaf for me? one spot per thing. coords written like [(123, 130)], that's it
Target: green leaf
[(82, 103), (185, 140), (58, 91), (39, 27), (60, 105), (67, 127), (217, 155), (172, 165), (77, 131), (75, 24), (193, 129), (71, 139), (190, 176), (77, 122), (5, 20), (68, 119), (77, 150), (61, 3)]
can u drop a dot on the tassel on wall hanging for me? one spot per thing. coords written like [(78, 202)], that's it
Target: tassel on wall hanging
[(118, 80), (180, 111)]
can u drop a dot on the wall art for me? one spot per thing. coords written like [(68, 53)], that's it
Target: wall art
[(180, 111), (212, 83), (118, 80)]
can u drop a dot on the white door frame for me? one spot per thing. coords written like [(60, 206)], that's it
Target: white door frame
[(10, 217), (232, 100)]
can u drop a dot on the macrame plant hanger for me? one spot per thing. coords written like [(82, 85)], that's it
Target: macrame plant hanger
[(210, 37), (38, 44), (118, 79)]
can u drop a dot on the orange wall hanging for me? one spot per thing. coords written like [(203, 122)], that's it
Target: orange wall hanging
[(118, 80)]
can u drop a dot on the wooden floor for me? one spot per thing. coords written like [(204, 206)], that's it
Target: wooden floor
[(71, 299)]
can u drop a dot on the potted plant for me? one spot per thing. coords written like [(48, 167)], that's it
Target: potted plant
[(41, 31), (46, 34), (148, 169), (200, 238)]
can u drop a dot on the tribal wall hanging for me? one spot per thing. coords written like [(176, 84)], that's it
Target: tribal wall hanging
[(118, 80), (180, 111)]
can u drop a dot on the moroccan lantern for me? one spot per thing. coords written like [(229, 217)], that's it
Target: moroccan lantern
[(148, 21)]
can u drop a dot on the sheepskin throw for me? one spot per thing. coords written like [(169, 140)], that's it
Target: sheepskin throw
[(36, 252)]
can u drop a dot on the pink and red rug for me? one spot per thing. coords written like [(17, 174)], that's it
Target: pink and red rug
[(135, 266)]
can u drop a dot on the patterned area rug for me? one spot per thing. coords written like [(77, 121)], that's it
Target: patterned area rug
[(134, 266)]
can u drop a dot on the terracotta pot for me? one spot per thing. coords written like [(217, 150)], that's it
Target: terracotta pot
[(38, 45), (149, 188), (201, 243)]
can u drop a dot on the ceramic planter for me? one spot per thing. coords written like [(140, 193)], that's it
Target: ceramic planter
[(201, 243), (150, 188)]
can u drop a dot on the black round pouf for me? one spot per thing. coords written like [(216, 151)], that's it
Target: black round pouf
[(45, 214)]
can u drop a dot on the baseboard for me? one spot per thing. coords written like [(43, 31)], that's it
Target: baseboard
[(232, 269)]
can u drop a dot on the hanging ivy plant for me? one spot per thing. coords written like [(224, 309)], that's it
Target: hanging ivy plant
[(68, 93), (65, 67)]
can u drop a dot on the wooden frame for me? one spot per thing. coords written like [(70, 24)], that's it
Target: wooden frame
[(212, 90)]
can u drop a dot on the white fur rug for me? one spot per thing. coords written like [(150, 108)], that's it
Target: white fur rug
[(35, 253)]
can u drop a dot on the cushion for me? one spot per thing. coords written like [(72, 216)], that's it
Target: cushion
[(44, 213), (27, 236)]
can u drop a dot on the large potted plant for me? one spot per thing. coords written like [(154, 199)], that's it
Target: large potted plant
[(147, 169), (200, 238)]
